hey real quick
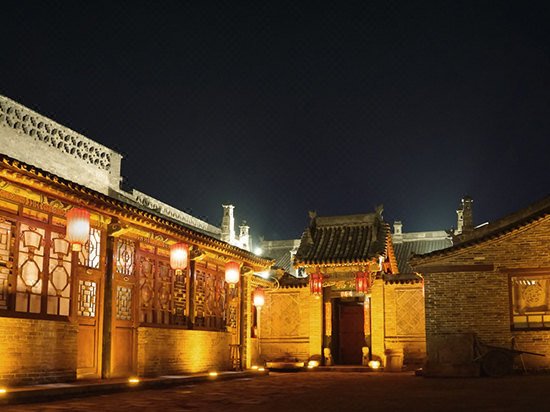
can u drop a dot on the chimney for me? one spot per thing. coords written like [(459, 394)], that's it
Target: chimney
[(465, 217), (228, 224), (397, 232), (244, 238), (467, 214)]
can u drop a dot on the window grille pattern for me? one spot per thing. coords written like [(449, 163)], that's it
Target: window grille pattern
[(30, 269), (89, 255), (210, 299), (125, 257), (87, 295), (162, 293), (123, 303), (59, 279), (530, 302)]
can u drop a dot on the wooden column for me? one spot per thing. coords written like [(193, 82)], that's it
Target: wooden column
[(191, 296), (107, 307)]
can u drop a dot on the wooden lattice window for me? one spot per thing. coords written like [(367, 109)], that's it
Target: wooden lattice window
[(530, 302), (125, 257), (163, 295), (210, 298), (43, 275), (89, 255)]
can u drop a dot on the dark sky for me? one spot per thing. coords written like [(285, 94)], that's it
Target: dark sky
[(284, 107)]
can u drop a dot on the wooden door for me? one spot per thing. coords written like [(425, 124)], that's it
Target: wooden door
[(124, 317), (89, 292), (351, 334)]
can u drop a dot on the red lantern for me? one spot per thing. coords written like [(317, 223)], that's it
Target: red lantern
[(316, 284), (258, 297), (362, 282), (232, 273), (179, 253), (78, 227)]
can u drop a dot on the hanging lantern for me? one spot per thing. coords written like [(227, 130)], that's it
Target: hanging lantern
[(362, 283), (316, 284), (232, 273), (179, 253), (78, 227), (258, 297)]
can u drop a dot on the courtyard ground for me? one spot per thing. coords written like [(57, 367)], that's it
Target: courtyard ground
[(325, 391)]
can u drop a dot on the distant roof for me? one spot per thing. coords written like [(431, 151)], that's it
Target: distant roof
[(343, 239), (279, 250), (500, 227), (404, 250)]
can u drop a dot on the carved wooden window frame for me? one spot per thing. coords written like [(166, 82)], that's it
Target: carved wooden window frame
[(529, 290), (57, 262)]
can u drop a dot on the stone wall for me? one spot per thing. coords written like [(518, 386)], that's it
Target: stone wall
[(478, 301), (164, 351), (37, 351), (34, 139)]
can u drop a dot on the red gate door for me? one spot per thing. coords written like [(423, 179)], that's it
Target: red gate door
[(352, 335)]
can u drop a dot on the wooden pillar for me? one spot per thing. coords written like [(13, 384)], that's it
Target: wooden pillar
[(108, 303), (191, 296)]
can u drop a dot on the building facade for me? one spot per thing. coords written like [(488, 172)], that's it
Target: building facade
[(492, 286), (116, 308)]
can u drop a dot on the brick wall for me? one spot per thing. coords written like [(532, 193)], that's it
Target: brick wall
[(479, 301), (37, 351), (177, 351), (291, 324)]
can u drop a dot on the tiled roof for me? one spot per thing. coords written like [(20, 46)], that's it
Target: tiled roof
[(343, 240), (289, 281), (498, 228), (404, 251), (127, 210)]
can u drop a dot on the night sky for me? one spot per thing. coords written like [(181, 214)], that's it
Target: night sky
[(280, 108)]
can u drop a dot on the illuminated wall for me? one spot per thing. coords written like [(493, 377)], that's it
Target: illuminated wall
[(36, 351), (176, 351)]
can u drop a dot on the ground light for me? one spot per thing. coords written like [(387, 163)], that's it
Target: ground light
[(3, 391), (374, 365), (133, 380), (312, 364), (255, 367), (261, 369), (213, 374)]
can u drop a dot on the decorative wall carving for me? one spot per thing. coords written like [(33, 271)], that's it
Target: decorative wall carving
[(53, 134), (282, 315), (410, 312)]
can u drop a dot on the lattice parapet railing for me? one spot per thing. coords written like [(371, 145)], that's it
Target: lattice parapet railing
[(46, 131)]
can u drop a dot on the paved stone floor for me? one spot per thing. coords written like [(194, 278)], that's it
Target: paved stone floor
[(325, 391)]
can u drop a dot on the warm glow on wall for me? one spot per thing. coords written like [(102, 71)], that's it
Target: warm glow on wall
[(258, 297), (232, 272), (179, 254), (78, 227)]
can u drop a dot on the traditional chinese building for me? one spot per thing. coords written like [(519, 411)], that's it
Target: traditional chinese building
[(349, 302), (119, 304), (493, 284)]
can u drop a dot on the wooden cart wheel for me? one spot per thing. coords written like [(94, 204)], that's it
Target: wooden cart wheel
[(496, 363)]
